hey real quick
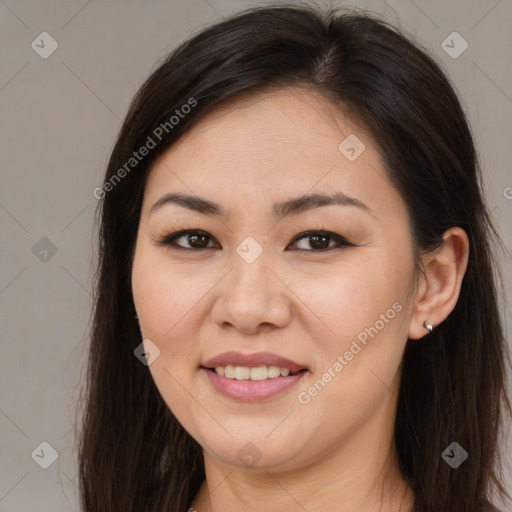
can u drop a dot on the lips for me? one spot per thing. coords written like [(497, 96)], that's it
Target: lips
[(253, 360)]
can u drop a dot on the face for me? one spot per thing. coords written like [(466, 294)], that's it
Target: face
[(324, 285)]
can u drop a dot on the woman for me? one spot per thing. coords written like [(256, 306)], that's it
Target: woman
[(296, 304)]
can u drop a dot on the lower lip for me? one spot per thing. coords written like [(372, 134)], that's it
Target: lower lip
[(252, 390)]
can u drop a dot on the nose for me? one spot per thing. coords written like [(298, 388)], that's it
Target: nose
[(252, 297)]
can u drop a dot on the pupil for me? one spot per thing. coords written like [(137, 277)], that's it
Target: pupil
[(315, 239), (194, 238)]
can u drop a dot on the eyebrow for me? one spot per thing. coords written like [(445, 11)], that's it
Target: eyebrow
[(286, 208)]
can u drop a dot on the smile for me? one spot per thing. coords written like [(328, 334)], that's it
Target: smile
[(254, 373)]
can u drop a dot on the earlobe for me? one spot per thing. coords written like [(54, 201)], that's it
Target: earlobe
[(440, 286)]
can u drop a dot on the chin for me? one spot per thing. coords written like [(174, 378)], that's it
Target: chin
[(253, 451)]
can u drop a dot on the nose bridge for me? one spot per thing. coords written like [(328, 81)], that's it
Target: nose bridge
[(250, 268), (252, 295)]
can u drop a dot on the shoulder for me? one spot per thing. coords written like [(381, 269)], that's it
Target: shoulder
[(488, 507)]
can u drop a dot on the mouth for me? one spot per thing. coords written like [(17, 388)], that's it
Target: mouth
[(256, 366), (252, 377)]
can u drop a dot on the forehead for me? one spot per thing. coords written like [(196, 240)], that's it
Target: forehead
[(277, 143)]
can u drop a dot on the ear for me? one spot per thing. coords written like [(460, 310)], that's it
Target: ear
[(438, 289)]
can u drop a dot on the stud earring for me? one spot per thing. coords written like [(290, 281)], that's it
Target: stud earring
[(427, 326)]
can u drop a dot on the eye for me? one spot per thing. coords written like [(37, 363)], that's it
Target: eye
[(196, 238), (320, 241)]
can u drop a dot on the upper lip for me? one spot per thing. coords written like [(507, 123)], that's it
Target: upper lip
[(252, 360)]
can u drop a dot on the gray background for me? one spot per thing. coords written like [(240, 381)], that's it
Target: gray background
[(59, 118)]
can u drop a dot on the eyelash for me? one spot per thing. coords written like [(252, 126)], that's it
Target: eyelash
[(168, 241)]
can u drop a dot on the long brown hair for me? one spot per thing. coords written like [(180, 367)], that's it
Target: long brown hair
[(134, 456)]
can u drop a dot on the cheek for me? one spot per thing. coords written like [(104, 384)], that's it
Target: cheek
[(163, 295), (350, 297), (164, 301), (366, 307)]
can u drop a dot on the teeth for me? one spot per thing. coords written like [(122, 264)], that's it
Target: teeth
[(242, 373), (274, 371), (255, 373)]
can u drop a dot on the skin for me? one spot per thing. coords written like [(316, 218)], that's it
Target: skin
[(305, 305)]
